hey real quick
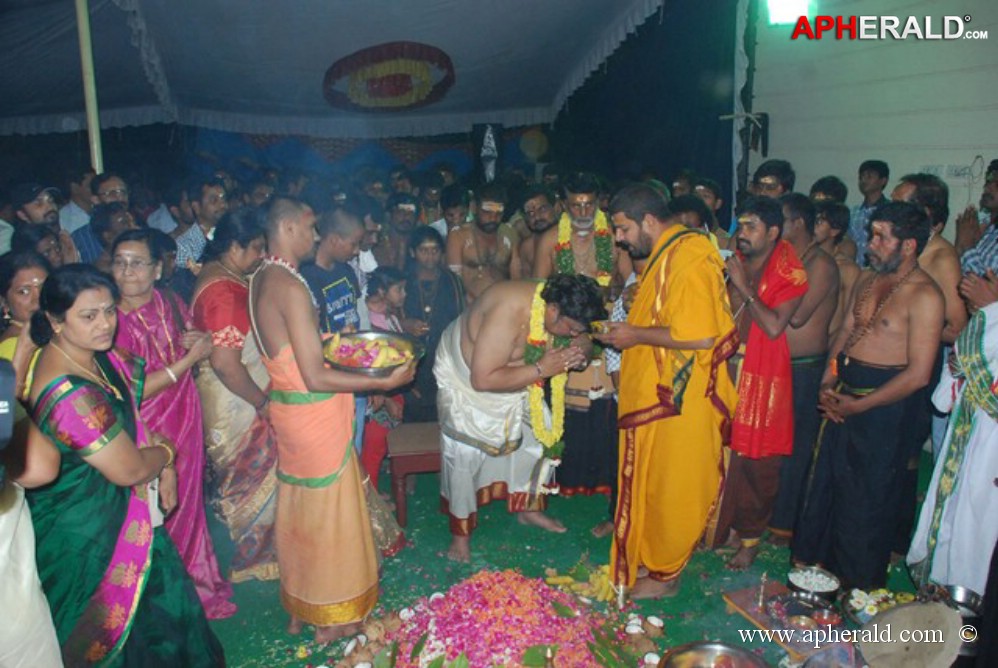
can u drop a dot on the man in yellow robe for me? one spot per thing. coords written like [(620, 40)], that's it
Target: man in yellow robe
[(676, 398)]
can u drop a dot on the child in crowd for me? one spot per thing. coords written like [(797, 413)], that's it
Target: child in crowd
[(386, 297)]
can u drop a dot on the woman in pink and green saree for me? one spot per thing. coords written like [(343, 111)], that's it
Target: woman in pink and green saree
[(118, 591)]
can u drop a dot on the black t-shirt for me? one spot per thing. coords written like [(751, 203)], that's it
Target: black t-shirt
[(337, 292)]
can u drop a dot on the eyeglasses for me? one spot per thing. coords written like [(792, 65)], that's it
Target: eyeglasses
[(122, 265), (114, 192)]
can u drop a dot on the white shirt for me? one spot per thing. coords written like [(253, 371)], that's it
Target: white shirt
[(363, 265), (72, 217), (6, 232), (161, 219), (441, 227)]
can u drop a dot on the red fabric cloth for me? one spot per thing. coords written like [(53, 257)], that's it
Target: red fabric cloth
[(764, 418), (220, 308), (375, 444)]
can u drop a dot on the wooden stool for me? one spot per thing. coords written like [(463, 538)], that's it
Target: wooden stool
[(412, 448)]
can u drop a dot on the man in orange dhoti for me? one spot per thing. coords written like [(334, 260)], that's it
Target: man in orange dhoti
[(767, 284), (325, 551), (676, 397)]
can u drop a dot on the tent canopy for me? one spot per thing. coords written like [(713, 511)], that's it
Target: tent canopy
[(259, 67)]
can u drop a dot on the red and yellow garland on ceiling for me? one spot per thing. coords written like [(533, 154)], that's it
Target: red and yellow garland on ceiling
[(396, 76)]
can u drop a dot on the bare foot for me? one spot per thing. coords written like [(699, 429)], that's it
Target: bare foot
[(602, 529), (743, 558), (326, 634), (460, 549), (538, 519), (646, 588), (733, 542), (294, 626), (642, 572)]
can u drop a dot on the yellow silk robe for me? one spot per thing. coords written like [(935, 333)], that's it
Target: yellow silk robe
[(675, 405)]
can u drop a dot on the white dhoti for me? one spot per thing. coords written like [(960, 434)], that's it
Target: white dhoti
[(956, 531), (27, 637), (488, 451)]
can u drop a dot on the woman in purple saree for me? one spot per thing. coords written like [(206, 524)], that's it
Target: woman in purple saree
[(156, 327), (117, 589)]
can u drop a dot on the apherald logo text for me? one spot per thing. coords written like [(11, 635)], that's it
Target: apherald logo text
[(884, 27)]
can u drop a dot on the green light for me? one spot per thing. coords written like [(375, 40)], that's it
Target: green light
[(782, 12)]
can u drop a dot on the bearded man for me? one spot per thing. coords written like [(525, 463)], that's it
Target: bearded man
[(883, 354)]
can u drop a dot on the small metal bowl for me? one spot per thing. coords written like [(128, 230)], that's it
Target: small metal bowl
[(802, 623), (827, 595), (827, 618), (968, 602), (697, 654), (399, 341)]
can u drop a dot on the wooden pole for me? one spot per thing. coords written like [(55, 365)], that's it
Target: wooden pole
[(89, 85)]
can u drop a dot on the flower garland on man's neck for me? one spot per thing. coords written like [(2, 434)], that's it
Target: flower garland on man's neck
[(537, 343), (564, 258)]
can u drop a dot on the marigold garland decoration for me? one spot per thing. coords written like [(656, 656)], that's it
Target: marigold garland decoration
[(396, 76), (537, 342), (564, 258)]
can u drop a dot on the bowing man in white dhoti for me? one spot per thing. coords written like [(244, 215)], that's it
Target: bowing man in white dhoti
[(499, 438)]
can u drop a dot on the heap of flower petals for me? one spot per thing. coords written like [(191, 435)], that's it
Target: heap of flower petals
[(493, 617)]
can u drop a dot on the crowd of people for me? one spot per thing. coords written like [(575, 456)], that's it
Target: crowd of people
[(775, 375)]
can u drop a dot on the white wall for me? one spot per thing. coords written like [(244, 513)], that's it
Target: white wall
[(914, 104)]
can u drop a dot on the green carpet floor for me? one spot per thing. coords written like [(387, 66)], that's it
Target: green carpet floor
[(255, 636)]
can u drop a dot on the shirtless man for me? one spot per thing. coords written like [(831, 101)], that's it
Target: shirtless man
[(939, 259), (541, 210), (487, 438), (481, 252), (392, 249), (329, 569), (884, 352), (830, 225), (581, 191), (710, 192), (807, 337)]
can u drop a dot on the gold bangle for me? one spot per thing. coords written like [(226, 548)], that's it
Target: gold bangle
[(173, 376), (170, 454)]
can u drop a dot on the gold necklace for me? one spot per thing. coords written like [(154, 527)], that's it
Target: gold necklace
[(239, 277), (103, 380), (427, 302), (161, 314)]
